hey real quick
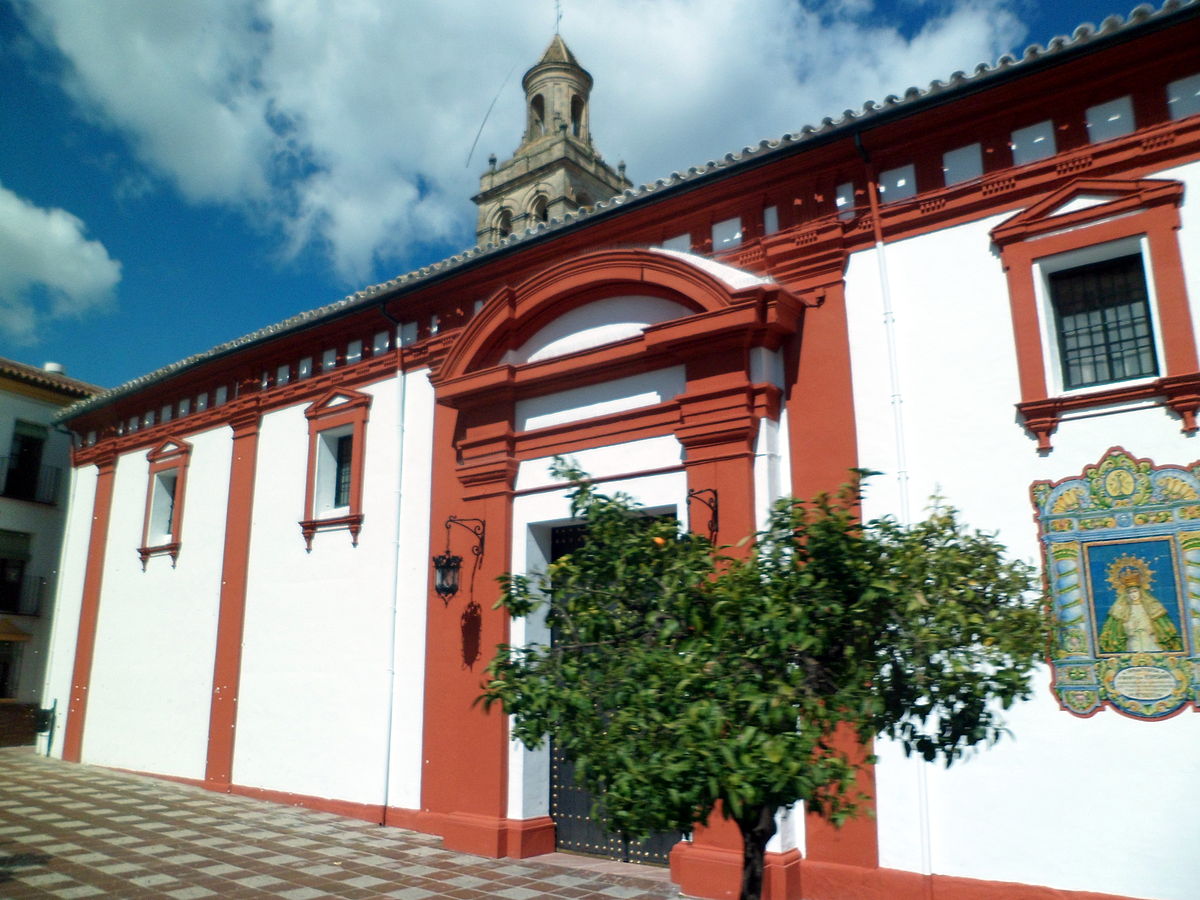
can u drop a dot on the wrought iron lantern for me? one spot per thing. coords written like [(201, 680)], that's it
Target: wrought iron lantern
[(447, 566)]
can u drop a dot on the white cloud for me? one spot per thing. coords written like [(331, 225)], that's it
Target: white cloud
[(345, 124), (48, 269)]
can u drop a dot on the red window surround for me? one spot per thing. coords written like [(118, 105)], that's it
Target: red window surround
[(338, 414), (1146, 208), (162, 526)]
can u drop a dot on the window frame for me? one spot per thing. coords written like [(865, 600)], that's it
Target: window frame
[(171, 456), (337, 414), (1050, 320), (1081, 218)]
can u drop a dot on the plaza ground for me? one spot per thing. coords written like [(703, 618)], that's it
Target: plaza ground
[(69, 831)]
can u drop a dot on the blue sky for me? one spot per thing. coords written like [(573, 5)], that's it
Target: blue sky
[(174, 175)]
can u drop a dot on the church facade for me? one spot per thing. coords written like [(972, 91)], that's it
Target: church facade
[(986, 290)]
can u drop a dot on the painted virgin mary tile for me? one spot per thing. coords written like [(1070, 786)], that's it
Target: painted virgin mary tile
[(1121, 543)]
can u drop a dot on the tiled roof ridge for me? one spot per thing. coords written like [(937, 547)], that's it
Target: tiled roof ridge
[(1083, 35), (53, 380)]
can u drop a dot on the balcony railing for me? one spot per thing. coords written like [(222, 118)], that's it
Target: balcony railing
[(24, 482)]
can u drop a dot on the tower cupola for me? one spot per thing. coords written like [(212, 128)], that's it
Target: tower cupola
[(556, 168)]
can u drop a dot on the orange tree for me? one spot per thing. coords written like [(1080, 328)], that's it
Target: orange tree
[(680, 676)]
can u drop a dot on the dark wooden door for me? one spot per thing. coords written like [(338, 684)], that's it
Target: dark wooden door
[(571, 804)]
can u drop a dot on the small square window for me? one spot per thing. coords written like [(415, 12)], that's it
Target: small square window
[(304, 370), (1183, 97), (1033, 143), (220, 395), (770, 220), (898, 184), (185, 406), (265, 381), (283, 375), (201, 402), (727, 234), (407, 333), (843, 199), (148, 419), (380, 343), (1110, 120), (165, 414), (1102, 322), (353, 352), (681, 242), (134, 422), (963, 164), (328, 360), (435, 324), (478, 308)]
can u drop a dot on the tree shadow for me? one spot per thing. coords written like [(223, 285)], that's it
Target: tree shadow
[(11, 863)]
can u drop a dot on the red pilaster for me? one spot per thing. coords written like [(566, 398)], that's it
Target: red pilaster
[(227, 663), (89, 612)]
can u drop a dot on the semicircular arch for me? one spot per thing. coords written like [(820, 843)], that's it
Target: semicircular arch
[(513, 316)]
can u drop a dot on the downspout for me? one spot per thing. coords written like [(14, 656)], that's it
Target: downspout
[(401, 404), (897, 402)]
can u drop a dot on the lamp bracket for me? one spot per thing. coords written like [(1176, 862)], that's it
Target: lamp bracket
[(478, 529), (707, 496)]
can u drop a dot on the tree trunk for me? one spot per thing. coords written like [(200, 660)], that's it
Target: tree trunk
[(757, 828)]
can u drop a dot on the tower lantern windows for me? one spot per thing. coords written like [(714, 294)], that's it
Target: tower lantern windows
[(576, 116), (537, 116)]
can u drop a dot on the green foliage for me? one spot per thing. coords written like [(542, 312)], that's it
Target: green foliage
[(680, 676)]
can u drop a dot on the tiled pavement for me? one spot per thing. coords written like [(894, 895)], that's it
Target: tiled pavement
[(71, 831)]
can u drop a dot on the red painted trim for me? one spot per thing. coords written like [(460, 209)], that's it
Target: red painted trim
[(513, 315), (338, 408), (173, 453), (89, 612), (235, 563), (367, 812)]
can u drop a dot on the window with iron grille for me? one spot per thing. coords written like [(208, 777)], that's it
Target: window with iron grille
[(341, 487), (1102, 319)]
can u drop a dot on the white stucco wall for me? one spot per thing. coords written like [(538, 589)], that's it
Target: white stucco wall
[(412, 580), (151, 681), (315, 693), (81, 494), (1068, 803)]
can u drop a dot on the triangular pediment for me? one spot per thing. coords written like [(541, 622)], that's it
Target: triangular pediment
[(169, 448), (1084, 201), (337, 400)]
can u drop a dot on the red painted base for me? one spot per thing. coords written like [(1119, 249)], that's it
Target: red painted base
[(490, 836), (830, 881), (716, 872), (700, 870)]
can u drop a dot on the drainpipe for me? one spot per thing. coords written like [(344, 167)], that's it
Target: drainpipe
[(401, 404), (897, 402)]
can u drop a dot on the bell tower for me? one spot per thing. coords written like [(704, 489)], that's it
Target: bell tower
[(556, 168)]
